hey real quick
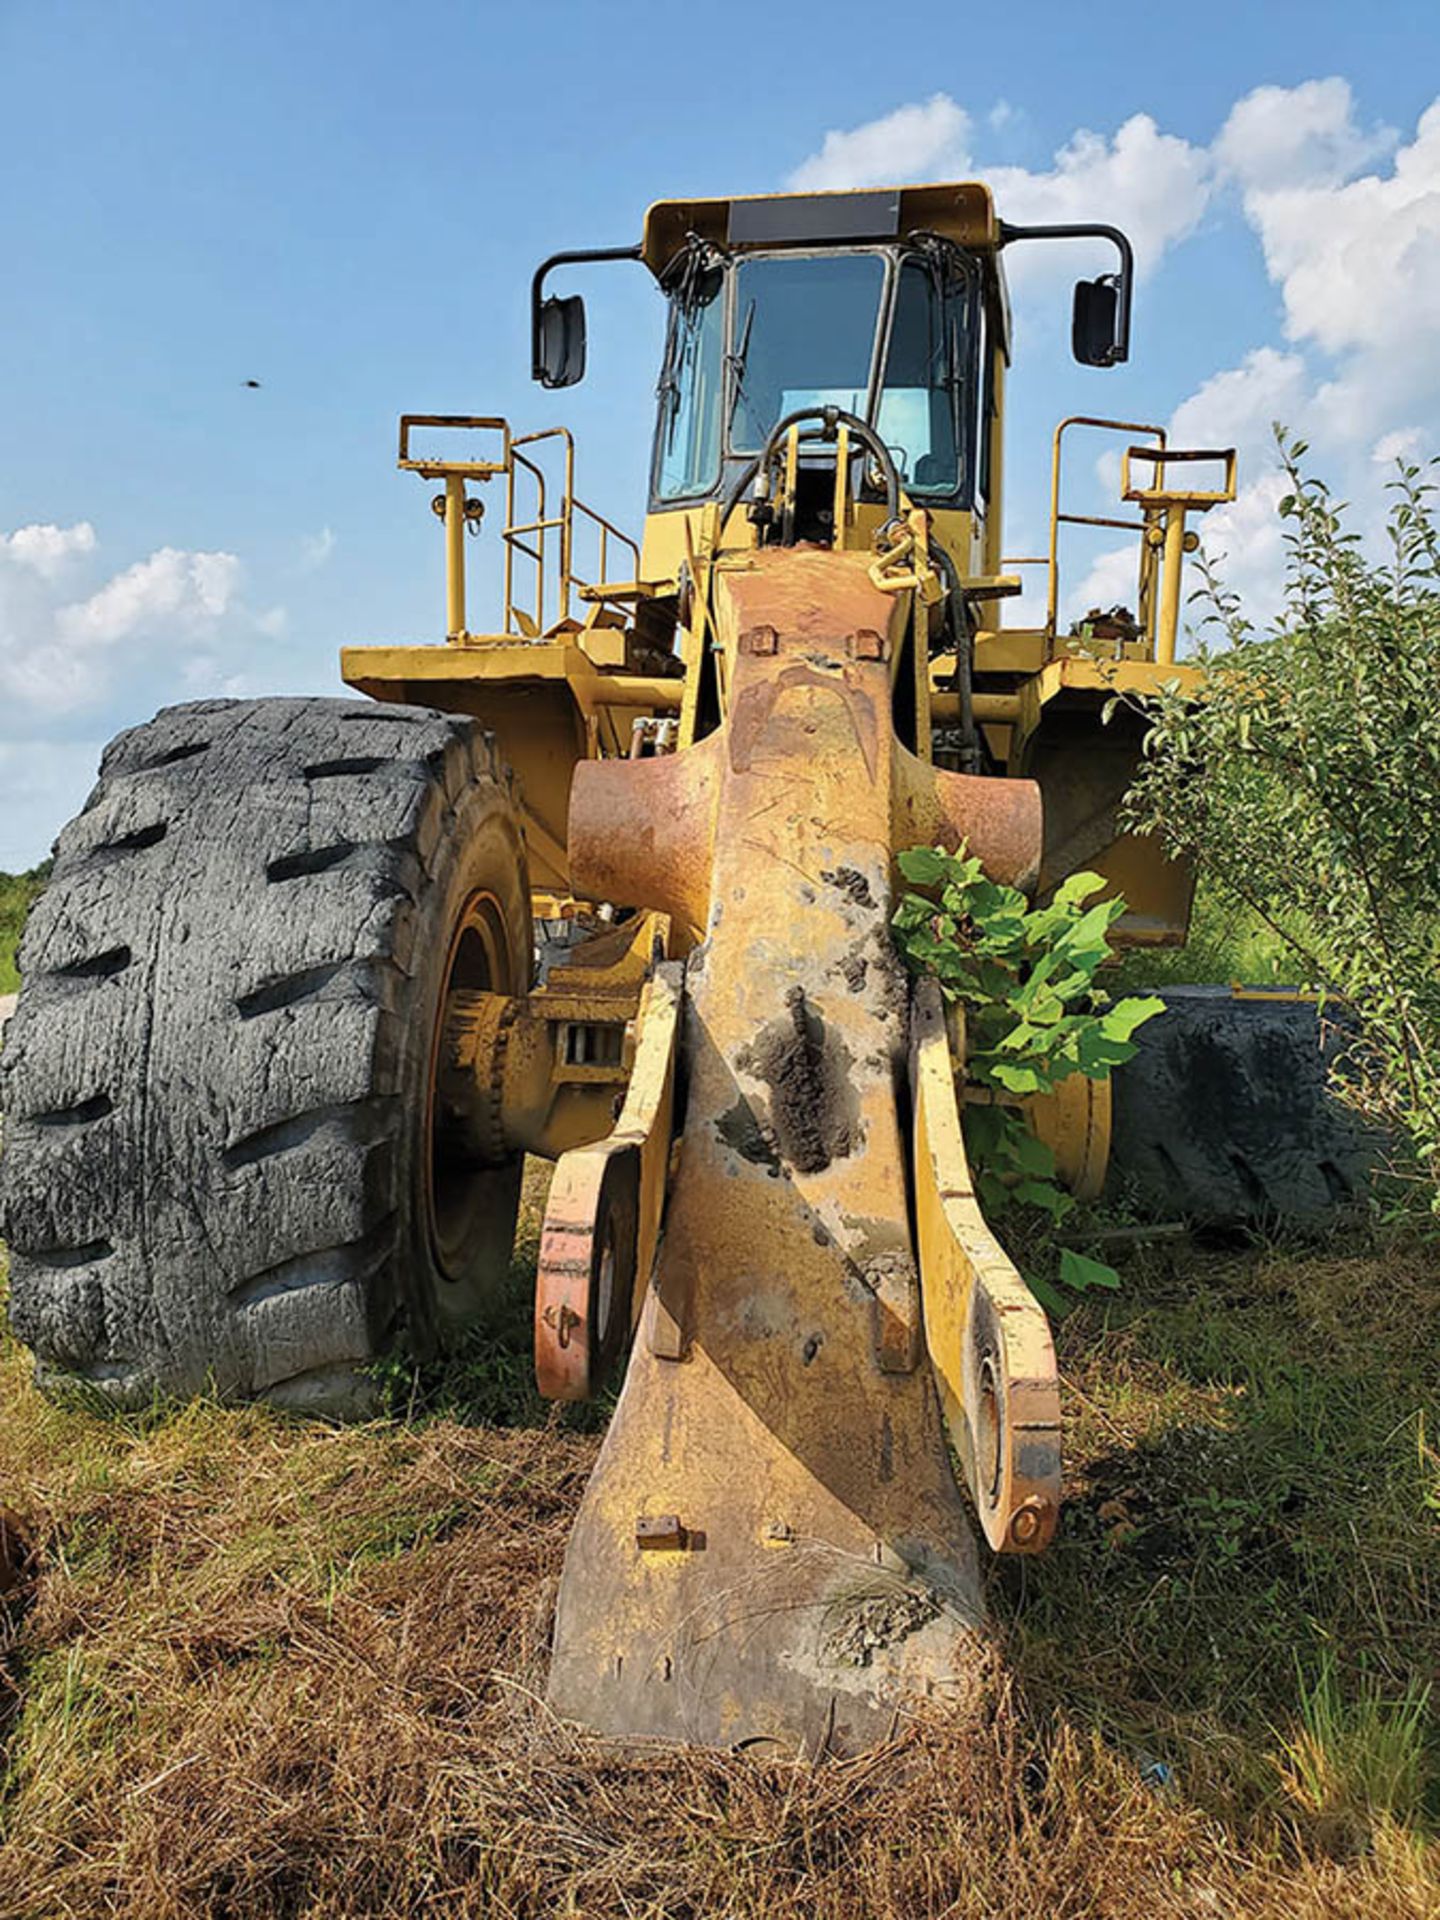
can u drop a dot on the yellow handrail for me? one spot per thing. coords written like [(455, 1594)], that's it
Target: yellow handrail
[(530, 538), (1059, 519)]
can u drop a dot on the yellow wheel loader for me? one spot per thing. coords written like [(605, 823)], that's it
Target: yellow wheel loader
[(612, 883)]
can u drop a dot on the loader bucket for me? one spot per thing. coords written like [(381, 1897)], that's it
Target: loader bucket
[(773, 1546)]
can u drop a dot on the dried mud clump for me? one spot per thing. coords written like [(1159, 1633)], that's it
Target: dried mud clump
[(814, 1116)]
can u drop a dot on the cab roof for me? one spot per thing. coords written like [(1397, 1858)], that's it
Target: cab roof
[(962, 211)]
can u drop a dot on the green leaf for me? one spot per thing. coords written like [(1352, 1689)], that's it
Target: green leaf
[(1127, 1015), (1026, 1153), (1078, 887), (1095, 1054), (985, 1129), (1049, 1297), (1045, 1195), (1017, 1079), (926, 866), (991, 1191), (1079, 1272)]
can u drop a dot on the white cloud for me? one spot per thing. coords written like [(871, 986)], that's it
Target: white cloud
[(165, 626), (1246, 542), (1305, 136), (927, 140), (1356, 255), (1404, 443), (171, 588), (1153, 185), (47, 549), (316, 549), (1238, 408), (1347, 218)]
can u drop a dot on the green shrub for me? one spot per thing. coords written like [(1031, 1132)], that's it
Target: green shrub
[(1304, 782)]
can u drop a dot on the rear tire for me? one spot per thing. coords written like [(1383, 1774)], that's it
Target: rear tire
[(221, 1162), (1226, 1114)]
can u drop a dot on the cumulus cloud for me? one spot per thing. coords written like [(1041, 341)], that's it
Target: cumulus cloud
[(47, 550), (1239, 406), (1353, 247), (1404, 443), (1279, 137), (171, 589), (66, 657), (1153, 184), (1346, 215), (927, 140), (75, 665)]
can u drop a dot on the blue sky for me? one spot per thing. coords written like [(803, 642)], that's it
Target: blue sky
[(345, 202)]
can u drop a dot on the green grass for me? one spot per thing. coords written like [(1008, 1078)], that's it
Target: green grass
[(1250, 1530), (1228, 944), (17, 894)]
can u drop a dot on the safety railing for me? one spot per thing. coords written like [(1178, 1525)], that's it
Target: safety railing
[(545, 539), (1145, 583), (1161, 533)]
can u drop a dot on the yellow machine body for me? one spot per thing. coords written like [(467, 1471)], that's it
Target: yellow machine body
[(725, 737)]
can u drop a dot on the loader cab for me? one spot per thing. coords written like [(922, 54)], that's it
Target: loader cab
[(892, 335), (889, 307)]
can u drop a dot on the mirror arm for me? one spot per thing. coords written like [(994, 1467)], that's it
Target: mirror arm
[(1125, 278), (537, 289)]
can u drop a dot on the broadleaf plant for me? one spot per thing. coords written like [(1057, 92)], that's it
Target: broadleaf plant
[(1034, 1015)]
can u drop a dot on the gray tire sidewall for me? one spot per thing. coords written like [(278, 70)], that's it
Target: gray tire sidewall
[(481, 852)]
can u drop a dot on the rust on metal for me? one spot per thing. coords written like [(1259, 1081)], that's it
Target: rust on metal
[(987, 1335), (658, 1532), (780, 1374), (602, 1216)]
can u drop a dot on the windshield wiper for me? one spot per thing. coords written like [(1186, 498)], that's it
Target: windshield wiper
[(735, 367)]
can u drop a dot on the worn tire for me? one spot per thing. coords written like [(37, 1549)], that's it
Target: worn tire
[(1226, 1115), (217, 1166)]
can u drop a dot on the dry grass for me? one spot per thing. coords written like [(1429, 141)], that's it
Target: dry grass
[(274, 1669)]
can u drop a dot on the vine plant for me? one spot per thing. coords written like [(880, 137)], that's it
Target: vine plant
[(1026, 978)]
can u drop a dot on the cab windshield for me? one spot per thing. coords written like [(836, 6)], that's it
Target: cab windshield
[(804, 337), (888, 337)]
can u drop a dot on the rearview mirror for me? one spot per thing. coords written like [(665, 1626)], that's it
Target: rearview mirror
[(1095, 328), (560, 342)]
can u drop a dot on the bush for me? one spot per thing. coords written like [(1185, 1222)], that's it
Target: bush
[(18, 892), (1304, 782)]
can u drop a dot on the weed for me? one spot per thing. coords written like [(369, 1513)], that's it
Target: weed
[(1356, 1762)]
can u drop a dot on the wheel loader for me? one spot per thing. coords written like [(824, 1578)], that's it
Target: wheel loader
[(611, 883)]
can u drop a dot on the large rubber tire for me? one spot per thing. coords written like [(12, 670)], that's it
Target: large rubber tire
[(1227, 1115), (218, 1166)]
